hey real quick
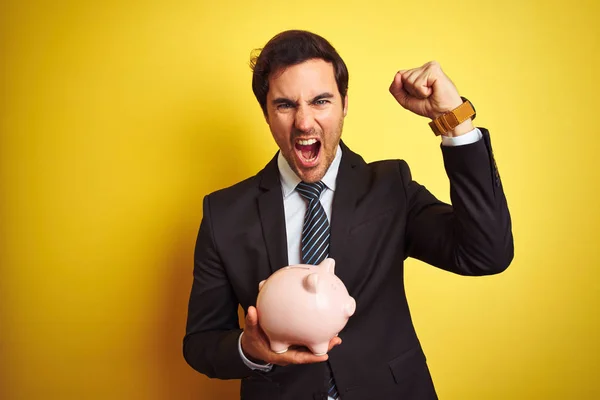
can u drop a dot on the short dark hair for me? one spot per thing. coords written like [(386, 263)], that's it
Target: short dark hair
[(291, 48)]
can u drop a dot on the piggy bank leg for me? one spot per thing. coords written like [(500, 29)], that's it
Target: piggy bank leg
[(319, 349), (279, 347)]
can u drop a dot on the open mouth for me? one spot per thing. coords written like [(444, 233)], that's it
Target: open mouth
[(307, 151)]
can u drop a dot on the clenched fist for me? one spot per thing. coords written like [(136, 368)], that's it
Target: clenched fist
[(428, 92)]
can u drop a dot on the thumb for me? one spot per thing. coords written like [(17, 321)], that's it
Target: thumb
[(251, 317), (396, 86), (397, 90), (403, 97)]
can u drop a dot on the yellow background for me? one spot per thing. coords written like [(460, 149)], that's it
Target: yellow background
[(117, 119)]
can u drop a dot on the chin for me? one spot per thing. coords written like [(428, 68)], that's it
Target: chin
[(312, 176)]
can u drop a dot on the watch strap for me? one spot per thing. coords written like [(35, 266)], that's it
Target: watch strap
[(450, 120)]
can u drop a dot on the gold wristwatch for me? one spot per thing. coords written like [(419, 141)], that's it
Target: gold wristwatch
[(446, 122)]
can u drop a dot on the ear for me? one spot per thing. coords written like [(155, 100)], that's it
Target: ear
[(345, 105), (328, 265), (310, 282)]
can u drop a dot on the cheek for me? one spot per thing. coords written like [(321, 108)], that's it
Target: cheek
[(331, 123), (282, 121), (280, 131)]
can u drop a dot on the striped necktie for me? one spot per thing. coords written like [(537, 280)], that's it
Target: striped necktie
[(315, 240), (315, 231)]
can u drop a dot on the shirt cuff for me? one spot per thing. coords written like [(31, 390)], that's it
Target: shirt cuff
[(468, 138), (250, 364)]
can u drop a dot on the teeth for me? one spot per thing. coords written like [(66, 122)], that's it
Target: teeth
[(307, 142)]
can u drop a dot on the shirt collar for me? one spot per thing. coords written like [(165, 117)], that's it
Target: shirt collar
[(289, 179)]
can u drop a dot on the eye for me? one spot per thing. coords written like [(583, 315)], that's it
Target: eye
[(284, 106), (321, 102)]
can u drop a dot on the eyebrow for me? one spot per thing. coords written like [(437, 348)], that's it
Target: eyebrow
[(325, 95), (284, 100)]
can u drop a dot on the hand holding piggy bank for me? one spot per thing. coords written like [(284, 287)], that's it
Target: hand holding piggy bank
[(303, 305)]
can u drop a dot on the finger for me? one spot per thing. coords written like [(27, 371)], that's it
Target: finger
[(409, 82), (396, 84), (422, 85), (336, 341), (397, 89), (251, 317), (405, 99), (253, 326), (300, 357)]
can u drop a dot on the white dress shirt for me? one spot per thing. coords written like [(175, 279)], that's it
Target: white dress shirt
[(295, 207)]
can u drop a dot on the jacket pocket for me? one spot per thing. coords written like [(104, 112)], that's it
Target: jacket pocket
[(412, 376), (408, 365), (375, 221)]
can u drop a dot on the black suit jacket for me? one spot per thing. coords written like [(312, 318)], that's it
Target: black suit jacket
[(380, 216)]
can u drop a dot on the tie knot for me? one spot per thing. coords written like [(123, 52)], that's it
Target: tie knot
[(310, 191)]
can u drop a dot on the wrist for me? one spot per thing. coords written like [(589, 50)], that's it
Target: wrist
[(249, 356), (254, 359), (448, 106), (455, 122)]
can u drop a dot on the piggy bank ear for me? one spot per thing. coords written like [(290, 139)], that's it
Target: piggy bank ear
[(328, 265), (261, 284), (310, 282)]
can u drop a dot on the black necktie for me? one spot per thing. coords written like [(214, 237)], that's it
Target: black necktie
[(315, 240)]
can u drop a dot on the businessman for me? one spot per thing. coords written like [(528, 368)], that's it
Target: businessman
[(317, 198)]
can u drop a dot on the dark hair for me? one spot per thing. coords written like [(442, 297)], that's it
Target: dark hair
[(291, 48)]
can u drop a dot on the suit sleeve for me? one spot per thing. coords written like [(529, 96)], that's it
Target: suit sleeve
[(474, 235), (210, 345)]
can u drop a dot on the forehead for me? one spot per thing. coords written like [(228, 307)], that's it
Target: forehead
[(310, 78)]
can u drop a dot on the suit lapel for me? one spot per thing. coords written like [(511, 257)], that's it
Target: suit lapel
[(349, 184), (272, 216)]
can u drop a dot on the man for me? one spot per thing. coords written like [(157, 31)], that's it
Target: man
[(372, 217)]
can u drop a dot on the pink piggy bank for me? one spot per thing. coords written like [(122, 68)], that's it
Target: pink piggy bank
[(303, 305)]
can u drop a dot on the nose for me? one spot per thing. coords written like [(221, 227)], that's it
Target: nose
[(304, 120)]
